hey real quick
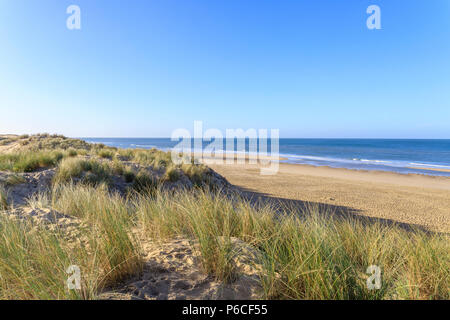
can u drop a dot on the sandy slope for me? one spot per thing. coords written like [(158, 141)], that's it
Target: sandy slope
[(11, 147), (411, 199), (172, 271)]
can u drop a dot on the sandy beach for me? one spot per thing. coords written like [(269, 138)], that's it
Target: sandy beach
[(411, 199)]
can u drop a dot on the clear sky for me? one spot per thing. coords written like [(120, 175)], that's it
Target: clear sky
[(143, 68)]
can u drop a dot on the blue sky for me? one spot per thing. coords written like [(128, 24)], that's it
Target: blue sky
[(143, 68)]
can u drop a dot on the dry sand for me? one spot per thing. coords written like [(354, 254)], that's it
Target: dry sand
[(172, 271), (409, 199)]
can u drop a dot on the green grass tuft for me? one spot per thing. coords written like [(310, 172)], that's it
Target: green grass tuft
[(3, 198), (197, 173), (29, 161), (88, 171), (145, 183), (129, 175), (105, 153), (14, 179), (173, 174)]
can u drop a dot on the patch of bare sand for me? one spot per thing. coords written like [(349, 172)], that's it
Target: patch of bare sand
[(10, 147), (410, 199), (173, 271), (65, 226), (30, 184)]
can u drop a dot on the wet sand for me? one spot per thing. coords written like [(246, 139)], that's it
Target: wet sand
[(432, 169)]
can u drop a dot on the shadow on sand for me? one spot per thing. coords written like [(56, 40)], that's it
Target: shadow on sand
[(283, 205)]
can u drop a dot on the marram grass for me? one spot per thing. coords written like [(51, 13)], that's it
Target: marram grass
[(307, 254)]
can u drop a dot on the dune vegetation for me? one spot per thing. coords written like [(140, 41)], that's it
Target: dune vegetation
[(49, 151), (304, 253)]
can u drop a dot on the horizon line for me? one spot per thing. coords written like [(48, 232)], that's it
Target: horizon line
[(105, 137)]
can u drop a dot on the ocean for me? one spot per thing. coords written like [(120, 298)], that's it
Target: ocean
[(397, 155)]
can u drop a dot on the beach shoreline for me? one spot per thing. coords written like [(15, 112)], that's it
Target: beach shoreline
[(420, 156), (282, 159), (431, 169)]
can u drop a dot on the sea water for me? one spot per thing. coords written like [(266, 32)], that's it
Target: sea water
[(397, 155)]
